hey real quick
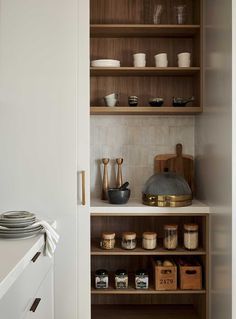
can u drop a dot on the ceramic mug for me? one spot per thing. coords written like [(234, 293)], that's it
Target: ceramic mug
[(184, 59), (161, 60), (111, 99), (139, 60)]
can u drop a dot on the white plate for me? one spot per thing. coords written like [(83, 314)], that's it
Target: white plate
[(20, 230), (20, 235), (17, 225), (17, 215), (105, 63)]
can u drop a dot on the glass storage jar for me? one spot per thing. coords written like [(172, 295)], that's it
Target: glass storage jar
[(170, 236), (149, 240), (108, 241), (191, 236), (121, 279), (101, 279), (141, 279), (129, 240)]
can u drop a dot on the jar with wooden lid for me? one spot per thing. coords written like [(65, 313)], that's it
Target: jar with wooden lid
[(129, 240), (149, 240), (108, 241), (191, 236), (170, 236), (121, 279)]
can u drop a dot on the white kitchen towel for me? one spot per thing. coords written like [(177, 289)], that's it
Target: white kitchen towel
[(51, 235)]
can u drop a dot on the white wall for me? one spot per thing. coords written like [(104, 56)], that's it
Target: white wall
[(213, 150), (138, 139), (38, 124)]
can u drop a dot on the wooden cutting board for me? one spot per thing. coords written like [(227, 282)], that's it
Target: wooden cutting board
[(177, 163)]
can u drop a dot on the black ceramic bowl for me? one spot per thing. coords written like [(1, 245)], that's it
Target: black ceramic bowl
[(117, 196), (156, 101)]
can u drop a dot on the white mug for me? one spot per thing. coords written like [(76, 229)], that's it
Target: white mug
[(184, 59), (139, 60), (161, 60), (111, 99)]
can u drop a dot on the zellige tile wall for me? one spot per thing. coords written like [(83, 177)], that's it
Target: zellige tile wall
[(137, 139)]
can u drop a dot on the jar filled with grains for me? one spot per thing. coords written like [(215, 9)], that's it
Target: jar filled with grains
[(129, 240), (149, 240), (121, 279), (170, 236), (108, 241), (191, 236), (141, 279), (101, 279)]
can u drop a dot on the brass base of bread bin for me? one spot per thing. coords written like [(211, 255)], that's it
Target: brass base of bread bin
[(167, 200), (159, 185)]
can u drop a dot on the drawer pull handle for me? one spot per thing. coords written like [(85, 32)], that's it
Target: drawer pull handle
[(35, 304), (36, 256)]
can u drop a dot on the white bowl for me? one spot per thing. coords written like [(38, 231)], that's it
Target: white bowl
[(105, 63)]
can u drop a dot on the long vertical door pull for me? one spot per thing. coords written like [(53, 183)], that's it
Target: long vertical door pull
[(83, 189)]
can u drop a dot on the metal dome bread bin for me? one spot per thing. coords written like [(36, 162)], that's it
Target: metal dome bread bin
[(167, 190)]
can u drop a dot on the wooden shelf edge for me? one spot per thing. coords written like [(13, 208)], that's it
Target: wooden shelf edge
[(144, 110), (143, 30), (145, 71), (139, 251), (150, 291)]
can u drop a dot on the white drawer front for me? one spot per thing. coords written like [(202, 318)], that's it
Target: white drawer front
[(18, 299), (42, 303)]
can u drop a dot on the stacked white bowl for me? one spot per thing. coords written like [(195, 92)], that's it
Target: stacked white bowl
[(161, 60), (184, 60), (139, 60), (105, 63), (111, 99)]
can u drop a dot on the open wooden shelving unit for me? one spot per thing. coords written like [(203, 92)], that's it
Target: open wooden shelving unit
[(193, 302), (118, 30)]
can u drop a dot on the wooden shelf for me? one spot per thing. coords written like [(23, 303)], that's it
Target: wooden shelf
[(142, 30), (144, 110), (146, 71), (144, 312), (150, 291), (118, 251)]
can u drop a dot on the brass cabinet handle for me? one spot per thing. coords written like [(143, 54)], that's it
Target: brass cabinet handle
[(36, 256), (35, 304), (83, 189)]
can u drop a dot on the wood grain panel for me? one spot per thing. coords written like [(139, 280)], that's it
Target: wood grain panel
[(140, 11), (143, 87), (142, 224), (123, 49)]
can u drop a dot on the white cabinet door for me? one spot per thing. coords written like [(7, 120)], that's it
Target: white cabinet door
[(38, 111), (42, 305), (83, 216)]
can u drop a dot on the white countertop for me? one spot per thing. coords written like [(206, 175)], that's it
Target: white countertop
[(15, 255), (135, 207)]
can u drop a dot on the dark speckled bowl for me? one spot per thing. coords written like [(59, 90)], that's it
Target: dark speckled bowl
[(117, 196)]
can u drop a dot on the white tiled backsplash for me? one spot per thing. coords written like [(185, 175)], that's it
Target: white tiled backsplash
[(137, 139)]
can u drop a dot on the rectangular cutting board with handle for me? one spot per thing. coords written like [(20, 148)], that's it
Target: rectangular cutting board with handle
[(177, 163)]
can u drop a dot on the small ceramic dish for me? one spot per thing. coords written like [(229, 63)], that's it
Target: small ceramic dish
[(158, 101)]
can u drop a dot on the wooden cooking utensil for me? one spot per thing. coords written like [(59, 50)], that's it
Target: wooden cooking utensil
[(119, 180), (105, 183), (177, 163)]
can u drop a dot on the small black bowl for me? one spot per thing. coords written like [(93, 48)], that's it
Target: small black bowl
[(117, 196), (156, 101)]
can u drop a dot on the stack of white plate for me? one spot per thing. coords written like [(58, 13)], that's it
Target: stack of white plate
[(18, 224), (105, 63)]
